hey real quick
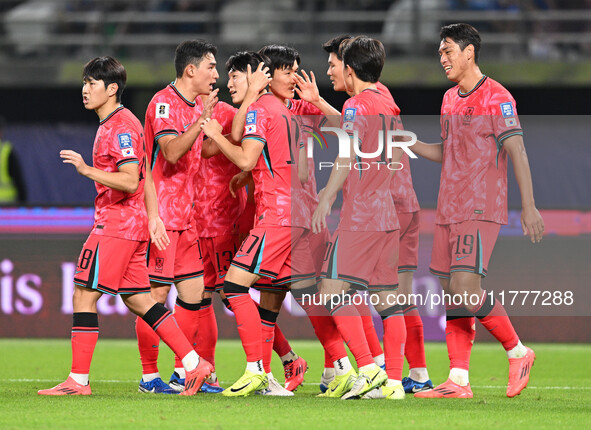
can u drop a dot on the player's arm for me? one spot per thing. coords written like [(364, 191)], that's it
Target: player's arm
[(303, 173), (308, 91), (244, 156), (174, 147), (531, 220), (257, 82), (127, 179), (156, 226), (210, 149), (430, 151)]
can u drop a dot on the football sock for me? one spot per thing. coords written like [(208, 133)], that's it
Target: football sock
[(370, 331), (255, 366), (350, 327), (419, 374), (148, 345), (85, 333), (187, 318), (281, 345), (414, 349), (207, 333), (342, 366), (460, 332), (459, 376), (394, 338), (181, 372), (227, 304), (517, 352), (393, 382), (268, 321), (380, 360), (493, 316), (248, 321), (290, 356), (150, 376), (327, 360)]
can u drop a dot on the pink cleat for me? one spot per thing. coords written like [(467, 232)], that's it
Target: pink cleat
[(519, 369), (194, 379), (294, 373), (67, 388), (447, 390)]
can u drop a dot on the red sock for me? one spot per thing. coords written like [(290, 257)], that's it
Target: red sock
[(394, 338), (268, 324), (207, 334), (248, 320), (493, 316), (370, 331), (328, 361), (414, 349), (164, 324), (148, 345), (459, 336), (187, 318), (84, 337), (280, 344), (350, 326)]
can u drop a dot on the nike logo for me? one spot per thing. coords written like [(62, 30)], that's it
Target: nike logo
[(77, 271), (241, 255), (186, 125), (235, 390), (460, 258), (222, 276)]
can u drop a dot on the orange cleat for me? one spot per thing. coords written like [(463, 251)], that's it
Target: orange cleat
[(294, 373), (447, 390), (519, 369), (194, 379), (67, 388)]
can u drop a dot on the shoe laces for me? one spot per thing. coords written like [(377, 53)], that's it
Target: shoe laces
[(288, 368)]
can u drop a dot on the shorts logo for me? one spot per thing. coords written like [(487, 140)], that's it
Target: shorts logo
[(507, 109), (162, 110), (159, 265)]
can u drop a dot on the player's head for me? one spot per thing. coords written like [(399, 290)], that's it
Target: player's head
[(284, 62), (195, 59), (335, 61), (459, 49), (363, 58), (237, 68), (103, 77)]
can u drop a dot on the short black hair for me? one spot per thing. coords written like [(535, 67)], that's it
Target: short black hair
[(332, 46), (239, 61), (464, 35), (366, 56), (108, 70), (191, 52), (280, 57)]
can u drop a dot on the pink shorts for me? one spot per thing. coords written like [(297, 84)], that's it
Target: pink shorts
[(181, 260), (217, 255), (409, 242)]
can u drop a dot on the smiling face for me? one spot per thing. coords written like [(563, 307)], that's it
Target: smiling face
[(94, 93), (205, 74), (284, 82), (454, 61), (335, 72), (238, 86)]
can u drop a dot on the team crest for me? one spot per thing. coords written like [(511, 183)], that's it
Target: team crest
[(467, 116), (162, 110), (159, 267)]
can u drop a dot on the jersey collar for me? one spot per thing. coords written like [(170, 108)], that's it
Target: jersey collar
[(478, 85), (178, 93), (108, 117)]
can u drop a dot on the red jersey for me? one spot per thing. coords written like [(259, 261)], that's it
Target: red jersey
[(170, 114), (216, 211), (474, 169), (367, 200), (402, 189), (119, 140), (278, 193)]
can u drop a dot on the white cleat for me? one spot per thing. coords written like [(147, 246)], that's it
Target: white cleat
[(274, 389), (384, 392)]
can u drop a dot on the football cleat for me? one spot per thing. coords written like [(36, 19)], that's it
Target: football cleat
[(340, 385), (519, 369), (393, 393), (248, 383), (210, 388), (366, 381), (448, 390), (176, 382), (195, 378), (294, 373), (412, 386), (67, 388), (274, 389), (157, 386), (326, 378)]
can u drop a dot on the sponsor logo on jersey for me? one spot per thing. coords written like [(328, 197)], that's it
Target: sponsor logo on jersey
[(162, 110), (507, 109)]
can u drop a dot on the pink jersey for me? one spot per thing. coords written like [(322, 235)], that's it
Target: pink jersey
[(216, 211), (402, 189), (170, 114), (119, 140), (367, 200), (474, 170), (278, 193)]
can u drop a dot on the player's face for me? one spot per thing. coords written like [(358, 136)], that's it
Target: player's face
[(453, 60), (335, 72), (94, 93), (284, 82), (206, 74), (237, 85)]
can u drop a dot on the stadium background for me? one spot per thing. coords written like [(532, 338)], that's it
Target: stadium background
[(540, 50)]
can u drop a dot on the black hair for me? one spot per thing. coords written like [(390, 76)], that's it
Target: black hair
[(108, 70), (239, 61), (365, 56), (464, 35), (332, 46), (280, 57), (191, 52)]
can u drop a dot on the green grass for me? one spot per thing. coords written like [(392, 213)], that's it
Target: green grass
[(559, 393)]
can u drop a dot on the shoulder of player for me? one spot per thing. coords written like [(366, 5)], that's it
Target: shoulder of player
[(222, 108), (495, 89)]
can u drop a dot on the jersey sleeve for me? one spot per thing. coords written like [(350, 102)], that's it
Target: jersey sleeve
[(125, 145), (163, 118), (505, 121), (353, 119), (256, 125)]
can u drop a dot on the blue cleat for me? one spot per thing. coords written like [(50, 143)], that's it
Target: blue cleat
[(157, 386), (412, 386), (208, 388), (176, 382)]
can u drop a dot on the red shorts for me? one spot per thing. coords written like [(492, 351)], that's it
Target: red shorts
[(181, 260), (217, 253), (112, 265), (318, 244), (409, 242), (271, 251), (365, 258), (463, 247)]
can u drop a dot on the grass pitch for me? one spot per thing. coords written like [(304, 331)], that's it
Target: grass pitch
[(558, 396)]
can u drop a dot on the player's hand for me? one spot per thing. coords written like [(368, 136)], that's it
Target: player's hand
[(532, 223), (321, 194), (210, 103), (158, 234), (259, 79), (307, 88), (72, 157), (211, 127), (239, 181), (320, 214)]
